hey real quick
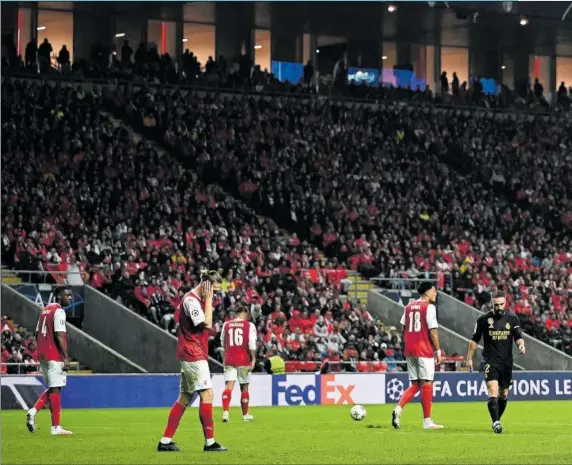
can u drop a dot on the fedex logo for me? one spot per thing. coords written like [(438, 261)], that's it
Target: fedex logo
[(311, 390)]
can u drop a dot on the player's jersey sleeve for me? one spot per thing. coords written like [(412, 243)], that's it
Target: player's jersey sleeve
[(402, 321), (192, 308), (431, 316), (60, 321), (252, 337), (222, 335), (516, 330), (478, 330)]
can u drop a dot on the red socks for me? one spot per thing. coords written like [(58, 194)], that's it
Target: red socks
[(427, 399), (55, 407), (175, 415), (244, 399), (408, 395), (206, 416), (42, 400), (226, 396)]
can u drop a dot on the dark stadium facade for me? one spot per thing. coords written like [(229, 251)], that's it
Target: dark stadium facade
[(499, 44)]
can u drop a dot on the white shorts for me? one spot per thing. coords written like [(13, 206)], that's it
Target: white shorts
[(421, 368), (195, 376), (240, 374), (53, 373)]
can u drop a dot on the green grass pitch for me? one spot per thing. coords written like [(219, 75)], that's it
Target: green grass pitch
[(535, 433)]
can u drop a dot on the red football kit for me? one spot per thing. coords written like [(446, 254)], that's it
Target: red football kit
[(52, 319), (418, 318), (192, 337), (238, 338)]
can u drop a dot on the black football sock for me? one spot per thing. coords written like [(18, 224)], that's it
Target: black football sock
[(493, 405), (502, 406)]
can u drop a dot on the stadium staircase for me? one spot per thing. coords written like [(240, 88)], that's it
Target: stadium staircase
[(359, 287), (10, 278)]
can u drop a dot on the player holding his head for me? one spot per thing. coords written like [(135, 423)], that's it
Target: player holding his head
[(195, 318), (421, 339), (498, 329), (53, 356), (238, 339)]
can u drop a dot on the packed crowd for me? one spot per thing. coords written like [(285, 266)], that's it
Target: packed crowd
[(19, 352), (79, 192), (144, 64), (394, 189)]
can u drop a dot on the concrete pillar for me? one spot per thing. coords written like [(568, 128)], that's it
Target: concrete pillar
[(10, 19), (485, 64), (552, 86), (285, 47), (364, 54), (180, 34), (403, 53), (89, 29), (234, 29)]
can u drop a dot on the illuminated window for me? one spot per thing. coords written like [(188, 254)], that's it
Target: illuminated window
[(455, 60), (388, 61), (563, 71), (24, 29), (163, 34), (262, 49), (57, 27), (199, 39)]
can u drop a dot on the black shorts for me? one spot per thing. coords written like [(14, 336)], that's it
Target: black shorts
[(500, 373)]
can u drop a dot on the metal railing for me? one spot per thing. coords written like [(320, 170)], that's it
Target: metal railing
[(406, 282), (38, 286), (325, 91), (49, 276), (356, 288), (30, 368)]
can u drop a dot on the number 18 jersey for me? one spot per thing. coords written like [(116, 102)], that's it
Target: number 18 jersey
[(418, 318), (238, 338)]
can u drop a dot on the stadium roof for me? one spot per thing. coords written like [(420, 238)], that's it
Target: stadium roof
[(481, 24)]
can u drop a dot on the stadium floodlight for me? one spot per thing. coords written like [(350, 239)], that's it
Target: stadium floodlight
[(523, 21), (507, 7), (41, 28), (185, 40), (392, 8), (384, 57), (121, 34), (257, 47)]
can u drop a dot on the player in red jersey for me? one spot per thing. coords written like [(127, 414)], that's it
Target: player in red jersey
[(195, 318), (53, 357), (421, 339), (238, 339)]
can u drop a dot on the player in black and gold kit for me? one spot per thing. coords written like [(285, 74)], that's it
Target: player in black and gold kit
[(498, 329)]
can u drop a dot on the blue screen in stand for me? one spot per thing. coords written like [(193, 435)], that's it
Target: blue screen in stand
[(368, 76), (288, 71)]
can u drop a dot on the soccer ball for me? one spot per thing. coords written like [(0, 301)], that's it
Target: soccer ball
[(358, 412)]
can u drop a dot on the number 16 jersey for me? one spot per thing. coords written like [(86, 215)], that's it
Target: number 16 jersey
[(238, 338), (418, 318)]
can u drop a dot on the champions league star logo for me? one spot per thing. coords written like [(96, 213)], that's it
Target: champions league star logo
[(394, 389)]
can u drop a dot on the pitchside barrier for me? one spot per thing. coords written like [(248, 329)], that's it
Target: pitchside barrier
[(137, 391)]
